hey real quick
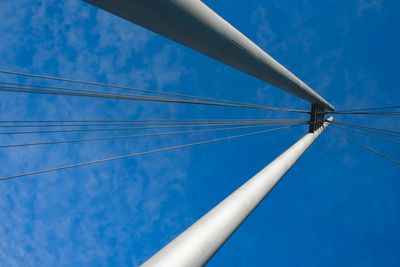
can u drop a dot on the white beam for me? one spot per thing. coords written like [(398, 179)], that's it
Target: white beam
[(193, 24), (195, 246)]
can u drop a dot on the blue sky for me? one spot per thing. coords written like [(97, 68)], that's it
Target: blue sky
[(339, 206)]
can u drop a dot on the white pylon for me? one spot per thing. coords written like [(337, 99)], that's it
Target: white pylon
[(195, 25), (195, 246)]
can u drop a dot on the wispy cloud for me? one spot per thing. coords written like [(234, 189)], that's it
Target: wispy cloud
[(366, 5), (78, 212), (264, 32)]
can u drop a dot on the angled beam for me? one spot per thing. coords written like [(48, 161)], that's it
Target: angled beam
[(193, 24), (195, 246)]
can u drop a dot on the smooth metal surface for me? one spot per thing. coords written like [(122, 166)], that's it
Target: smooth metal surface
[(193, 24), (195, 246)]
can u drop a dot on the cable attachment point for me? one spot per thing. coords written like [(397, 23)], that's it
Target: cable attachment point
[(316, 117)]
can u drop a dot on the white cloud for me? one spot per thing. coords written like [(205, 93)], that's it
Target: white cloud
[(264, 32), (365, 5), (44, 218)]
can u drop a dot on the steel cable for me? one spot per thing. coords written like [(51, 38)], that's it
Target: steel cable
[(141, 153), (143, 98), (104, 95), (129, 136), (130, 123), (366, 113), (368, 109), (111, 86), (369, 135), (367, 147), (382, 130), (145, 121), (132, 128)]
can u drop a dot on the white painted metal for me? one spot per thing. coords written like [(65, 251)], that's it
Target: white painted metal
[(193, 24), (195, 246)]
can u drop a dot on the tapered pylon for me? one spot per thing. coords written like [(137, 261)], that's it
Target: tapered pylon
[(195, 246), (193, 24)]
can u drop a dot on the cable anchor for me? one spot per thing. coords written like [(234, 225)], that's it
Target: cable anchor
[(316, 117)]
